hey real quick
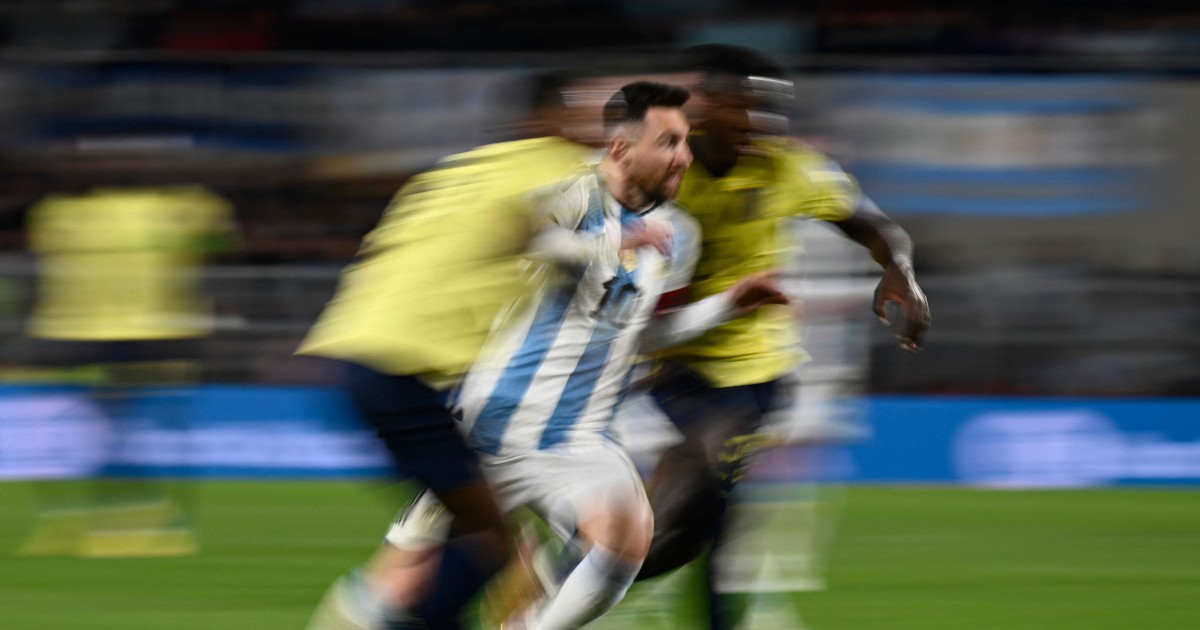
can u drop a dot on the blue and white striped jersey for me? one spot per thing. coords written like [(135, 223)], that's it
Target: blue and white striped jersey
[(554, 373)]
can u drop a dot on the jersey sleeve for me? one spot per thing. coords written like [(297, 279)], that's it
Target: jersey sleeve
[(677, 319), (216, 227), (822, 189), (556, 207), (560, 216), (685, 252)]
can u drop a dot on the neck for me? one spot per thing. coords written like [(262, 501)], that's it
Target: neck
[(715, 159), (620, 187)]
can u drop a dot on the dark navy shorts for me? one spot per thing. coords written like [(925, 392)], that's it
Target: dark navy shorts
[(412, 420), (689, 401)]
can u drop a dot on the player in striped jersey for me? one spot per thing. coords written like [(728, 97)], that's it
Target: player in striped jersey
[(408, 318), (539, 402)]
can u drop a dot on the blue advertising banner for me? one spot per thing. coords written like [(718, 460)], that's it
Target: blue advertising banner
[(1015, 442), (215, 431), (279, 432)]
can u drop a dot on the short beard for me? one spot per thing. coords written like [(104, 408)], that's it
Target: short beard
[(651, 197), (656, 197)]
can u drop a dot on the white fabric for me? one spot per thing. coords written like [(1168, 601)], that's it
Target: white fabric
[(595, 585), (555, 372), (561, 485), (680, 325)]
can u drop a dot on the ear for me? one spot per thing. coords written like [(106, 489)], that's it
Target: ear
[(619, 146)]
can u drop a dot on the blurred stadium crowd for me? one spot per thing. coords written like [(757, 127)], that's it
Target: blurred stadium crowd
[(1037, 152), (938, 27)]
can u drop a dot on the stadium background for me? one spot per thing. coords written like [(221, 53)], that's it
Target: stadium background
[(1041, 156)]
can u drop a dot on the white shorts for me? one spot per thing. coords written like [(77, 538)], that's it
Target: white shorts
[(563, 486)]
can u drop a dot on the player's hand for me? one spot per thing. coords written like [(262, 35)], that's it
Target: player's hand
[(757, 290), (648, 232), (910, 318)]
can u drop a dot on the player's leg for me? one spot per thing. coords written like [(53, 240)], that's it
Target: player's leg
[(691, 483), (136, 514), (378, 595), (686, 499), (406, 563), (419, 432), (695, 479), (123, 511), (599, 492)]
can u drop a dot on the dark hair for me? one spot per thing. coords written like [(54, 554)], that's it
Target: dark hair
[(546, 87), (729, 68), (630, 103), (517, 101), (729, 61)]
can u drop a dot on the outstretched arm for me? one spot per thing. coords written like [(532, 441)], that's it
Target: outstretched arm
[(892, 248), (674, 326)]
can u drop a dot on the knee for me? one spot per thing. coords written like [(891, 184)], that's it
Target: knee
[(685, 519), (631, 532), (626, 532), (685, 491)]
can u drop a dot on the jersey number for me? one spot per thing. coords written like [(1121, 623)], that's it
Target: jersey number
[(617, 304)]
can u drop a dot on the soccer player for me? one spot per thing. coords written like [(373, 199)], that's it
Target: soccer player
[(539, 403), (119, 296), (408, 318), (717, 387)]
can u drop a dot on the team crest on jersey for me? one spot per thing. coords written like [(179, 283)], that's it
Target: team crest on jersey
[(750, 204), (748, 210), (629, 260)]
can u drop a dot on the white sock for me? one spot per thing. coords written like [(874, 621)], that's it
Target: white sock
[(594, 586)]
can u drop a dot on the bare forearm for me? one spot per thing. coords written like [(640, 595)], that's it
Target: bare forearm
[(888, 243)]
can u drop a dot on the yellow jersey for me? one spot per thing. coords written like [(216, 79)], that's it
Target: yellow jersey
[(123, 264), (432, 276), (741, 214)]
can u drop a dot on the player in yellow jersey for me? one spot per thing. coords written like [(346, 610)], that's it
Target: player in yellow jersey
[(716, 388), (118, 271), (408, 318)]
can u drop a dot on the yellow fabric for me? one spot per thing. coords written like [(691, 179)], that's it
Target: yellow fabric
[(123, 264), (740, 215), (445, 258)]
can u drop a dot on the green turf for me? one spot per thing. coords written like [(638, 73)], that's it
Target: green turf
[(268, 550), (946, 558), (903, 558)]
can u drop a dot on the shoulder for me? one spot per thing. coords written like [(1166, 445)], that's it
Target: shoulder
[(796, 160), (532, 157), (574, 190), (53, 202)]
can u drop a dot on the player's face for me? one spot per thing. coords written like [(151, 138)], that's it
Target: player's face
[(728, 121), (656, 160), (734, 113)]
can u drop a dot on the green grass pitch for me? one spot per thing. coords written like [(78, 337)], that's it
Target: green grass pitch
[(902, 559)]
